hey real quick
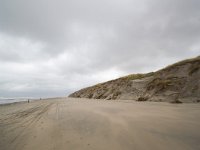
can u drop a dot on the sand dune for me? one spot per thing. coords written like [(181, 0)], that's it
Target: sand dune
[(177, 83), (76, 124)]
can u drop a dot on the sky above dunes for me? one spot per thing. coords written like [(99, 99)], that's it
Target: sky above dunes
[(54, 47)]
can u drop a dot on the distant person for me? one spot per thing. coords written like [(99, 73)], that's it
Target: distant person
[(28, 100)]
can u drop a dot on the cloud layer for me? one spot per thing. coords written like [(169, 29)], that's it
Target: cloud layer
[(51, 48)]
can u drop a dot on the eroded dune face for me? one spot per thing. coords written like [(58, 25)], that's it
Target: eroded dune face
[(179, 82)]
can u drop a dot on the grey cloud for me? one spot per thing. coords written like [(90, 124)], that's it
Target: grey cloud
[(52, 47)]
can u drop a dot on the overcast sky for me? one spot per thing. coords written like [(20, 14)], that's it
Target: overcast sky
[(54, 47)]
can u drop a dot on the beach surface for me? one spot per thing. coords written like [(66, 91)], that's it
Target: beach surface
[(81, 124)]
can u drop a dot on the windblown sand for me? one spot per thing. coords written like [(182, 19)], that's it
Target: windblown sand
[(80, 124)]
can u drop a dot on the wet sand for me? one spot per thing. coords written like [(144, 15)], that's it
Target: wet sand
[(80, 124)]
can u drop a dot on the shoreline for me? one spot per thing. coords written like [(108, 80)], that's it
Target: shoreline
[(30, 100), (118, 100)]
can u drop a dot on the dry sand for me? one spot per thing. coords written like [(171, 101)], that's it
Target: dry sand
[(77, 124)]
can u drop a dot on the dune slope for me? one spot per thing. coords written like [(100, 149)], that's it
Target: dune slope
[(179, 82)]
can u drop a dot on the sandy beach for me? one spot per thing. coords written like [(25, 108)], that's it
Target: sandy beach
[(81, 124)]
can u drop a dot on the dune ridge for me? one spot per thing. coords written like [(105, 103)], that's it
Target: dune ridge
[(177, 83)]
